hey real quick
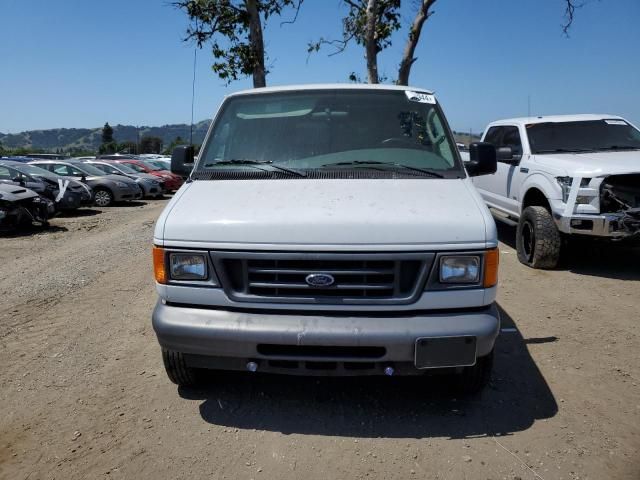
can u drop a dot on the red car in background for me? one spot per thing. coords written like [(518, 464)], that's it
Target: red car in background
[(172, 182)]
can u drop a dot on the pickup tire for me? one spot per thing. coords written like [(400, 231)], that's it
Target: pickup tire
[(538, 240), (472, 380), (177, 369)]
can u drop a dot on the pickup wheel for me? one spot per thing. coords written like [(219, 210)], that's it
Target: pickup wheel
[(472, 380), (538, 240), (177, 369)]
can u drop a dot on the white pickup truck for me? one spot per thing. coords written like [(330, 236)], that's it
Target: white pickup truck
[(564, 175)]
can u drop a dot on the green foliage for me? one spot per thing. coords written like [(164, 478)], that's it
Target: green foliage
[(149, 144), (128, 147), (107, 148), (225, 24), (107, 133), (177, 141), (388, 21)]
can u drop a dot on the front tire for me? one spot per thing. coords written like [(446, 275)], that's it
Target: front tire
[(103, 197), (177, 369), (538, 240)]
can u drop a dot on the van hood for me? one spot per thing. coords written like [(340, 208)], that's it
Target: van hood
[(407, 212), (593, 164)]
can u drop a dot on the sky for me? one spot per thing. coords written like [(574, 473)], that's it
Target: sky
[(79, 63)]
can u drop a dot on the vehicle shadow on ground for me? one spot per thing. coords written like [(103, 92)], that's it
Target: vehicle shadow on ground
[(80, 212), (133, 203), (394, 407), (30, 231), (590, 257)]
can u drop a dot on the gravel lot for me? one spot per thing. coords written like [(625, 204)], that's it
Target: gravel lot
[(84, 394)]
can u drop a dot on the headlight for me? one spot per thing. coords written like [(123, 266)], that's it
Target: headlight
[(460, 269), (121, 184), (187, 266), (565, 185)]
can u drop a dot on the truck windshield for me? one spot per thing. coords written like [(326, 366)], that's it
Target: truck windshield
[(582, 136), (332, 129)]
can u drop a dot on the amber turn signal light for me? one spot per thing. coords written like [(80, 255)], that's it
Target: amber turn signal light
[(491, 262), (159, 265)]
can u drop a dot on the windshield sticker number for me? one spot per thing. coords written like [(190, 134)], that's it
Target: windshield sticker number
[(420, 97), (616, 122)]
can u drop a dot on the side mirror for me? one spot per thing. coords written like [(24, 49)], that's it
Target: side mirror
[(19, 181), (182, 160), (482, 159), (506, 155)]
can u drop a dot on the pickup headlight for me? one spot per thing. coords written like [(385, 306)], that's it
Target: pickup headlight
[(565, 184), (460, 269), (187, 266)]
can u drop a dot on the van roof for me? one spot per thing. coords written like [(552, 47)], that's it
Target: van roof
[(329, 86)]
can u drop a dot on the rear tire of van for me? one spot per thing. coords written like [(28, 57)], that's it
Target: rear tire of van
[(538, 240), (177, 369), (473, 379)]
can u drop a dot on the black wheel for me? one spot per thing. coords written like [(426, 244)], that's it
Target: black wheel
[(473, 379), (103, 197), (177, 369), (538, 240)]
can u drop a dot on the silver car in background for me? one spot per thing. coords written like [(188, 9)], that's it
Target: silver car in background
[(107, 188), (151, 185)]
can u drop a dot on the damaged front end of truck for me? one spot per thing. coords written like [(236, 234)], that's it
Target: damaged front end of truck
[(620, 196), (20, 207)]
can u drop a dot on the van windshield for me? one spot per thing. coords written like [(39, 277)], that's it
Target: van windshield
[(331, 129)]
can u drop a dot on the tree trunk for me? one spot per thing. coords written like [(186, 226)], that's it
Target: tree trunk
[(370, 41), (412, 42), (257, 44)]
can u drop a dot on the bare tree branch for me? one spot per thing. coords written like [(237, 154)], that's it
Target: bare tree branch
[(569, 13), (408, 58)]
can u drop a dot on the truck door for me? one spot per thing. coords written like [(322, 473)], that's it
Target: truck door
[(500, 190)]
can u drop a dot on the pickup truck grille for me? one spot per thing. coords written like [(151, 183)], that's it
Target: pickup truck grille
[(354, 278)]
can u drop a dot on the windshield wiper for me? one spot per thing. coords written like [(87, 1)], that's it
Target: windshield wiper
[(621, 147), (566, 150), (399, 165), (255, 163)]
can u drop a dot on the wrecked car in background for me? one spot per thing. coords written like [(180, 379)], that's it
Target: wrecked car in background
[(107, 188), (561, 176), (66, 194), (21, 207)]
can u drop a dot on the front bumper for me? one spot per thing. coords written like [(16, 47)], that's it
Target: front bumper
[(609, 225), (127, 193), (279, 342)]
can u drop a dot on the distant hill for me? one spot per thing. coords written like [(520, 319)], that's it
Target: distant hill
[(90, 138)]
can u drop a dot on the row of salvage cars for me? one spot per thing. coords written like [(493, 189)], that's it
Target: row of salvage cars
[(34, 190)]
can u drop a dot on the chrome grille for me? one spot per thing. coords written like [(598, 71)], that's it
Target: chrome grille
[(357, 278)]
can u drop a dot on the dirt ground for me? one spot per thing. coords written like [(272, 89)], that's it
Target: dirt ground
[(83, 393)]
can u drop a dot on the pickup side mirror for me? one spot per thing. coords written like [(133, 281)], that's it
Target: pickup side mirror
[(182, 160), (482, 159), (506, 155)]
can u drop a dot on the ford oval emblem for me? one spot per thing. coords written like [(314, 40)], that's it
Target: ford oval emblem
[(320, 280)]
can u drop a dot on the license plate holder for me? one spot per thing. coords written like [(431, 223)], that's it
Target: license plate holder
[(441, 352)]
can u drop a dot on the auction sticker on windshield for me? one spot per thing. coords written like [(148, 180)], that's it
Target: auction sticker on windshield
[(420, 97)]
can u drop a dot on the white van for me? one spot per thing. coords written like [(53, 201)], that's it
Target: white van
[(328, 229)]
